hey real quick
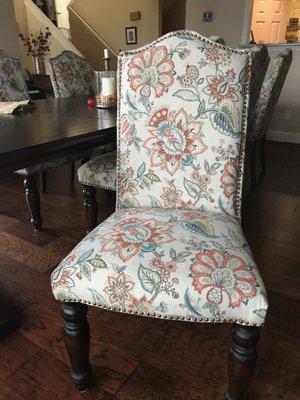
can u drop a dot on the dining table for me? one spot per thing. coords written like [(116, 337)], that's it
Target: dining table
[(50, 129)]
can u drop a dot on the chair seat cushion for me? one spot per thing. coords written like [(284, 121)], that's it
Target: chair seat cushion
[(56, 162), (99, 172), (175, 264)]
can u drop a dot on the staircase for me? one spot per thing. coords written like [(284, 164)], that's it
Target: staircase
[(84, 40)]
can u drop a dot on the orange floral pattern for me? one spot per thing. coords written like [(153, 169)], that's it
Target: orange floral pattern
[(173, 137), (151, 69)]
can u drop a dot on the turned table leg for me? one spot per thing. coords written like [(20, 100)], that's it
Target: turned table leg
[(90, 206), (242, 360), (33, 201), (77, 339)]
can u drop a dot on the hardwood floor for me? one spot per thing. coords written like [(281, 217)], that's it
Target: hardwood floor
[(141, 358)]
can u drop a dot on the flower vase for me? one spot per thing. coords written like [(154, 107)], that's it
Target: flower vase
[(39, 65)]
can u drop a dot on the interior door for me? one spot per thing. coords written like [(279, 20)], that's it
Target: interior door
[(269, 20)]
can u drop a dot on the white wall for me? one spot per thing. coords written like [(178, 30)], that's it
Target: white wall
[(9, 40)]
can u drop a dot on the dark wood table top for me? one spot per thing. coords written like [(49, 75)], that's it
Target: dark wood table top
[(53, 128)]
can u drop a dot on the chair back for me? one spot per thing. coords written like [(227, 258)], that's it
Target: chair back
[(12, 83), (71, 75), (269, 95), (182, 119), (260, 63)]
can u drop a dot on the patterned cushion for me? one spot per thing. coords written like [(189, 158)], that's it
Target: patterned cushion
[(99, 172), (187, 265), (182, 122), (68, 158), (71, 75), (12, 82), (269, 95)]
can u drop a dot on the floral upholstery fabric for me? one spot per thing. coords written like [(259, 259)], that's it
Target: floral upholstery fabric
[(52, 163), (174, 248), (99, 172), (174, 264), (12, 82), (71, 75), (269, 95), (183, 110)]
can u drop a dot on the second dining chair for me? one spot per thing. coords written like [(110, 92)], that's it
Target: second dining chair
[(264, 110), (174, 248)]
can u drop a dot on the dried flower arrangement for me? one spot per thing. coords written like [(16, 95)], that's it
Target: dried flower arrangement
[(37, 45)]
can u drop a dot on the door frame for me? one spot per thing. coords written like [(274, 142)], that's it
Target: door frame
[(247, 21)]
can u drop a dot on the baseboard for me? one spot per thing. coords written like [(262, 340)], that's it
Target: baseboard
[(284, 136)]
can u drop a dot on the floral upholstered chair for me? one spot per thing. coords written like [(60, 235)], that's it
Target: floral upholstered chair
[(174, 248), (71, 75), (12, 83), (265, 107)]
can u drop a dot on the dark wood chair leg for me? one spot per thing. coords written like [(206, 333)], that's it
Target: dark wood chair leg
[(72, 172), (90, 206), (263, 156), (252, 161), (33, 201), (77, 339), (242, 360), (44, 181)]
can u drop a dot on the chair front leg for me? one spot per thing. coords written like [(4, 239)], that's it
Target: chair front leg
[(77, 339), (90, 206), (33, 201), (242, 360)]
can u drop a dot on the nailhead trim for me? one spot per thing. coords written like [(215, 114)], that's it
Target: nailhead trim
[(160, 316)]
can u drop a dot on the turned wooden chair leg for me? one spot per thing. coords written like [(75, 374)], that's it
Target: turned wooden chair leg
[(252, 161), (77, 339), (33, 201), (90, 206), (263, 155), (242, 360)]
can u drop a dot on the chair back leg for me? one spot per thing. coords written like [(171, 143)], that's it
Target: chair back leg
[(242, 360)]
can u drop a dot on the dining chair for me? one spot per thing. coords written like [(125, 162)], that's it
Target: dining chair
[(71, 75), (174, 248), (12, 83), (13, 88), (264, 110)]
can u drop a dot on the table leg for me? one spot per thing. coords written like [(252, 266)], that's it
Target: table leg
[(9, 318)]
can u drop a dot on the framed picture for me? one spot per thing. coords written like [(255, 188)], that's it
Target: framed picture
[(131, 35)]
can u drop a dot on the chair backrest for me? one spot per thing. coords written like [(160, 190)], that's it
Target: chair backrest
[(71, 75), (12, 82), (269, 95), (260, 63), (182, 123)]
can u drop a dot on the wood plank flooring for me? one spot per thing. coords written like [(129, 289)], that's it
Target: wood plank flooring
[(140, 358)]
